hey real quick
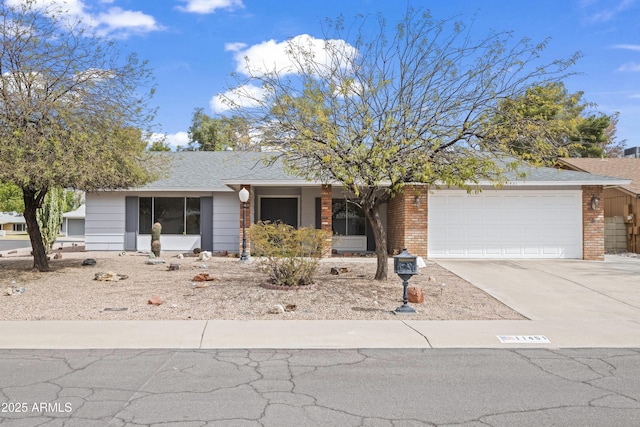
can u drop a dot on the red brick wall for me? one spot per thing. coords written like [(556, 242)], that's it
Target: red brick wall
[(326, 225), (407, 221), (592, 224), (247, 221)]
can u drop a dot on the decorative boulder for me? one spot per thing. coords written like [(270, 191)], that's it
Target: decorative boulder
[(416, 296)]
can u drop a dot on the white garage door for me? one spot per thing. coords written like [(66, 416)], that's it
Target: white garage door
[(505, 224)]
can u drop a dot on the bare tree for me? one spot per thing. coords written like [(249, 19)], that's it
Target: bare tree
[(375, 113)]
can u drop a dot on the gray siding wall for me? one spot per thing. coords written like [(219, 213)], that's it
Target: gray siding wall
[(226, 222), (104, 223), (308, 206)]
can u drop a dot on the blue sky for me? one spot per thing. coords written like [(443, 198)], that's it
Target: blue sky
[(193, 45)]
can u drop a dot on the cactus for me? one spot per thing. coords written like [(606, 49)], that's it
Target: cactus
[(49, 217), (155, 238)]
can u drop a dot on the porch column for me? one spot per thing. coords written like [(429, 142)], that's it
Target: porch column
[(407, 226), (247, 221), (326, 197), (592, 223)]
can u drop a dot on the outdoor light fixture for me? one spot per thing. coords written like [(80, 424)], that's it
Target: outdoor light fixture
[(416, 201), (405, 265), (244, 198), (595, 203)]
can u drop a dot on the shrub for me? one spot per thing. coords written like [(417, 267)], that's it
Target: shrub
[(290, 256)]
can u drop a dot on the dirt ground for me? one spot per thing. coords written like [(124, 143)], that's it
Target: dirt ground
[(69, 291)]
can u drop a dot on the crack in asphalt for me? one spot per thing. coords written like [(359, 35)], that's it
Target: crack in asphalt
[(359, 387)]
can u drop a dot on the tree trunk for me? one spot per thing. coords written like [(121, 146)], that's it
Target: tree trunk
[(32, 201), (380, 237)]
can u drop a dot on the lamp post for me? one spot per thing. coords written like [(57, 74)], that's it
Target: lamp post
[(244, 198), (405, 265)]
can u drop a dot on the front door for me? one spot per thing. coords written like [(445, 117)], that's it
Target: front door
[(281, 209)]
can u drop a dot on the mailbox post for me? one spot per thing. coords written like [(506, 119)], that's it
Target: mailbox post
[(405, 265)]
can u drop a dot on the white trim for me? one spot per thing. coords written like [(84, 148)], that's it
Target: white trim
[(276, 196)]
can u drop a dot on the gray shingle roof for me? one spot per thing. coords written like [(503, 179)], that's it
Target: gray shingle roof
[(546, 175), (210, 170), (216, 170)]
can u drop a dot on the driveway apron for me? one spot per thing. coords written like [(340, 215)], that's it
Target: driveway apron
[(558, 289)]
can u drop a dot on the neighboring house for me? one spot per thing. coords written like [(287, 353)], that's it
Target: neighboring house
[(73, 222), (621, 203), (11, 223), (548, 215)]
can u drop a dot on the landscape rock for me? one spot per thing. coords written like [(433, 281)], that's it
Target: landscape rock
[(204, 256), (89, 261), (277, 309), (431, 279), (339, 270), (154, 261), (203, 277), (174, 267), (420, 262), (57, 256), (290, 307), (155, 300), (109, 276), (416, 296), (180, 256)]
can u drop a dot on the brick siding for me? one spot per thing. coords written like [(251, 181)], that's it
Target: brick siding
[(407, 221), (326, 197), (592, 224)]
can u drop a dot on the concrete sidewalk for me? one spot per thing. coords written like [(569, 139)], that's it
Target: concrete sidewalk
[(307, 334)]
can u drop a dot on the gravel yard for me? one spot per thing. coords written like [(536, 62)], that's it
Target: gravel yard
[(69, 291)]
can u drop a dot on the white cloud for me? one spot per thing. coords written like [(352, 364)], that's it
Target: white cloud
[(113, 22), (173, 139), (246, 96), (633, 67), (272, 56), (635, 47), (209, 6), (117, 20), (608, 12)]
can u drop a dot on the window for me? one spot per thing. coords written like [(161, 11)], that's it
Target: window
[(20, 227), (347, 218), (178, 215)]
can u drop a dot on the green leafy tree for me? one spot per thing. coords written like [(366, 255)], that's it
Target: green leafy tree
[(548, 117), (72, 110), (11, 198), (208, 133), (374, 113), (159, 146)]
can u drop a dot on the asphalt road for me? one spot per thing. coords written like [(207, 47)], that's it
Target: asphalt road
[(7, 245), (535, 387)]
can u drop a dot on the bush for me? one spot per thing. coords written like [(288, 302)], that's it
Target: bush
[(290, 256)]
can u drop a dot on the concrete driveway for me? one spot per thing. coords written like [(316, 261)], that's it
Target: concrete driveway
[(559, 289)]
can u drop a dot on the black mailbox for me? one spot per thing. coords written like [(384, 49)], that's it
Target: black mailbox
[(405, 265)]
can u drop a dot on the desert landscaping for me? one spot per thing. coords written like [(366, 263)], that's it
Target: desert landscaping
[(132, 286)]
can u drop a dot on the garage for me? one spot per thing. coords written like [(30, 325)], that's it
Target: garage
[(507, 223)]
